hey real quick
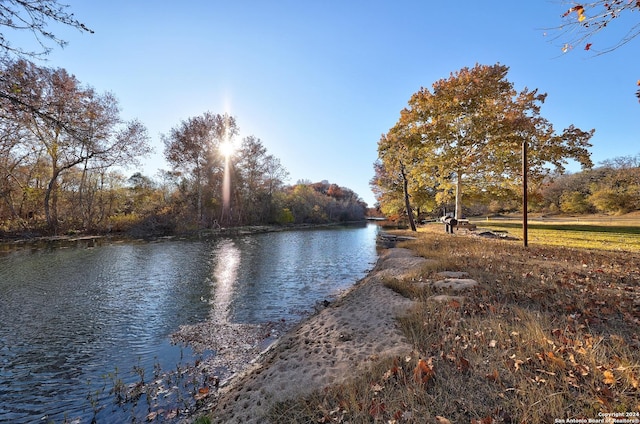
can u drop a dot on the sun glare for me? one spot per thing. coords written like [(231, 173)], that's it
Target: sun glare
[(227, 149)]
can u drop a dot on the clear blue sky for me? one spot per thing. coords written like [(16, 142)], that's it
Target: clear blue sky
[(318, 81)]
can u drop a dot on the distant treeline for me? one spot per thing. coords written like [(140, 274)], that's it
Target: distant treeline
[(63, 148), (107, 201), (612, 188)]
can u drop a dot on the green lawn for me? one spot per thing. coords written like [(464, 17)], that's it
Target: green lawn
[(606, 235)]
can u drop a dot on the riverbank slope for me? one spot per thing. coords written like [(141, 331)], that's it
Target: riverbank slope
[(325, 349), (542, 333)]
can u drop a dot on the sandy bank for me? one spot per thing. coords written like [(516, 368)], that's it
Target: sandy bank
[(325, 349)]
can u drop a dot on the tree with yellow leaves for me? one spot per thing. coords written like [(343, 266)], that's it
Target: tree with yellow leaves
[(466, 134)]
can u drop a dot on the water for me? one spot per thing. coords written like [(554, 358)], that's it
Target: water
[(71, 317)]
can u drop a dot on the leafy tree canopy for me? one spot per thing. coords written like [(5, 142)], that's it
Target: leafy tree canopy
[(468, 131)]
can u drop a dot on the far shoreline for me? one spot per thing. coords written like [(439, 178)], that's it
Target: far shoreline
[(22, 240)]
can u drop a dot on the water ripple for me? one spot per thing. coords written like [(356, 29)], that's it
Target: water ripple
[(73, 318)]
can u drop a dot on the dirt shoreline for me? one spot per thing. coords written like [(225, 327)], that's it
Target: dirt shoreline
[(323, 350), (18, 240)]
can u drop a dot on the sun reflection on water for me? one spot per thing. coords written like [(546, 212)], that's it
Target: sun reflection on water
[(225, 275)]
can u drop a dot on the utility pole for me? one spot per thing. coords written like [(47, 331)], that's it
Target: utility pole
[(525, 229)]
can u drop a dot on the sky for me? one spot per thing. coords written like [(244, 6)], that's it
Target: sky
[(319, 81)]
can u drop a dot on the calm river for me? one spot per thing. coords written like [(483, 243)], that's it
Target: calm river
[(76, 323)]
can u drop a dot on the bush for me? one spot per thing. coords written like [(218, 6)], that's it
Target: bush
[(575, 202), (285, 216)]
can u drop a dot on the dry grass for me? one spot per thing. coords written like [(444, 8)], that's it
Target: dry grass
[(550, 333)]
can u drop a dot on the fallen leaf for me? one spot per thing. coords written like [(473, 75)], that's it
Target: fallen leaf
[(558, 362), (494, 376), (572, 381), (634, 380), (539, 380), (392, 372), (609, 378), (423, 371), (605, 396), (450, 356), (517, 363), (582, 369), (463, 364), (442, 420), (485, 420), (377, 388), (572, 358), (203, 392)]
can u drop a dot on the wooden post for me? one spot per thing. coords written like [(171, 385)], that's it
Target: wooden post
[(525, 229)]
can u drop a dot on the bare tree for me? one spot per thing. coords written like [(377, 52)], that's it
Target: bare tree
[(73, 124), (193, 149), (34, 16), (260, 175)]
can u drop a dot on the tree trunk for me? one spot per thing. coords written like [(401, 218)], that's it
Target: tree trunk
[(199, 182), (458, 198), (407, 204), (85, 199), (51, 204)]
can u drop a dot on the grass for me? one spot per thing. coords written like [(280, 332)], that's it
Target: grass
[(550, 333), (603, 235)]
